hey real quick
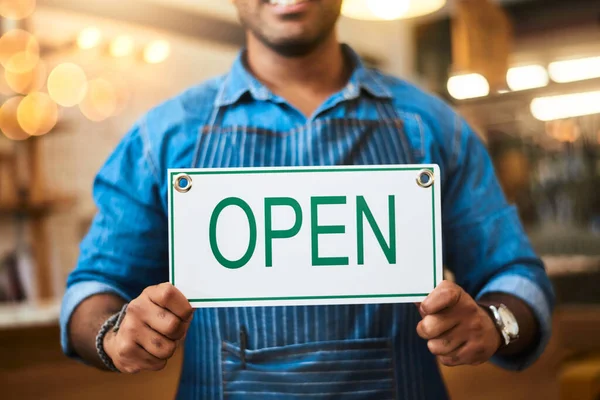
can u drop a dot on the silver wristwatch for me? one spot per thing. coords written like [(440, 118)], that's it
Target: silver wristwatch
[(505, 322)]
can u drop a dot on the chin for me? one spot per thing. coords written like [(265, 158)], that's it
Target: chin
[(294, 45), (293, 48)]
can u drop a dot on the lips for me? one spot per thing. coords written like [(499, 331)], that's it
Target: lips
[(286, 2), (289, 8)]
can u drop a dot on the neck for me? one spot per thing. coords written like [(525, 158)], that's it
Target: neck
[(323, 71)]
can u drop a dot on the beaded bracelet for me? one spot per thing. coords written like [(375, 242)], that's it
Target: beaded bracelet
[(114, 323)]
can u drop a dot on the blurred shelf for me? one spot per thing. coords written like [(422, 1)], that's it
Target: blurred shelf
[(28, 315), (37, 209), (558, 266)]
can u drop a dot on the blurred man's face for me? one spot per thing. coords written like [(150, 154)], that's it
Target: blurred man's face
[(289, 27)]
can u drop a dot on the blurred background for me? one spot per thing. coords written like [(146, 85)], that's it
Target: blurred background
[(75, 75)]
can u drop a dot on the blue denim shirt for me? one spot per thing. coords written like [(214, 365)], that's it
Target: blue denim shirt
[(360, 351)]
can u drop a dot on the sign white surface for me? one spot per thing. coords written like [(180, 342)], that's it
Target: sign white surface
[(304, 236)]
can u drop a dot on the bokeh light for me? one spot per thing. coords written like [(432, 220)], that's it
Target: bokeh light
[(67, 84), (385, 10), (19, 51), (100, 102), (468, 86), (565, 130), (4, 88), (564, 71), (388, 10), (526, 77), (122, 46), (123, 93), (29, 81), (157, 51), (37, 114), (16, 9), (9, 125), (566, 106), (89, 38)]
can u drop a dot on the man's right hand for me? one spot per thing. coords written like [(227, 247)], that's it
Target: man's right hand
[(153, 327)]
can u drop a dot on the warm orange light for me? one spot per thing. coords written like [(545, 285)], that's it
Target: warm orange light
[(123, 93), (468, 86), (100, 101), (122, 46), (551, 108), (4, 88), (16, 9), (19, 51), (157, 51), (387, 10), (37, 114), (67, 85), (89, 38), (8, 120), (565, 130), (27, 82)]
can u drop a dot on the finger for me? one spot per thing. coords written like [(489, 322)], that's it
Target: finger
[(433, 326), (149, 362), (168, 296), (468, 354), (156, 344), (445, 296), (418, 305), (448, 343), (163, 321), (133, 358)]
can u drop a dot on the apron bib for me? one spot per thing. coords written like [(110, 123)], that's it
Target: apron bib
[(309, 352)]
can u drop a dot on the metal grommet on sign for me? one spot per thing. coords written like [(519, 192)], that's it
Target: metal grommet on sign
[(182, 183), (425, 178)]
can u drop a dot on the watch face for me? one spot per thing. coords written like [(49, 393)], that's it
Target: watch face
[(510, 323)]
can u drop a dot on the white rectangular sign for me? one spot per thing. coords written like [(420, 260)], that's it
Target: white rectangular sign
[(305, 236)]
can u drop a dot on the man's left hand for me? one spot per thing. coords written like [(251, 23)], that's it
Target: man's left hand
[(458, 331)]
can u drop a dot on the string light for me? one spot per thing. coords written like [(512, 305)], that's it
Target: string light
[(8, 120), (157, 51), (101, 100), (122, 46), (37, 114), (16, 9), (566, 106), (19, 51), (89, 38), (27, 82), (527, 77), (4, 88), (468, 86), (67, 85), (575, 70)]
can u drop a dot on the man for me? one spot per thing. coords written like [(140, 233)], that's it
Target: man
[(297, 97)]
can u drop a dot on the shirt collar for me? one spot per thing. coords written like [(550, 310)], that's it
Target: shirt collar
[(239, 82)]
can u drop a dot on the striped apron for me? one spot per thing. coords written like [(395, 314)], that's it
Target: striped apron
[(310, 352)]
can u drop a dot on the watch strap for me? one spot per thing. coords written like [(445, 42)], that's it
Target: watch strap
[(492, 311)]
